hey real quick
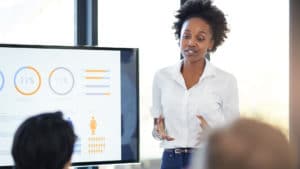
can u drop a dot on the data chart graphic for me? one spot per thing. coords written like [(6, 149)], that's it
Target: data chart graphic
[(27, 80), (97, 82), (96, 143), (61, 80), (1, 80)]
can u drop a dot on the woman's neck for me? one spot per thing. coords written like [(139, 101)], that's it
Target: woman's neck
[(195, 68), (192, 71)]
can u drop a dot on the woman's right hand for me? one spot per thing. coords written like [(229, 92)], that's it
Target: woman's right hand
[(159, 129)]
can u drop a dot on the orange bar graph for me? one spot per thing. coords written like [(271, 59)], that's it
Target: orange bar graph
[(93, 77), (95, 70)]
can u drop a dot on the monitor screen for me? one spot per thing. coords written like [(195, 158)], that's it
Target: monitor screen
[(95, 88)]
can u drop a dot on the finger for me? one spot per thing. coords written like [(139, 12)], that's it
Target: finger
[(161, 126), (160, 121), (169, 138), (164, 136), (161, 131), (203, 125), (200, 117), (160, 117)]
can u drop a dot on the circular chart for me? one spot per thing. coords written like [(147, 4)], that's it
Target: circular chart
[(1, 80), (27, 80), (61, 80)]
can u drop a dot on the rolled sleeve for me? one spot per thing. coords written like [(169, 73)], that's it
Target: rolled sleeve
[(156, 108), (231, 101)]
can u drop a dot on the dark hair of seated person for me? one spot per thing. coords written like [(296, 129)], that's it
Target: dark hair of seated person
[(43, 141)]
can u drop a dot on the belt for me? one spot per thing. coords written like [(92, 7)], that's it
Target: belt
[(180, 150)]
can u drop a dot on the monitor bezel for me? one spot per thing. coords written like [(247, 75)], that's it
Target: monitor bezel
[(136, 52)]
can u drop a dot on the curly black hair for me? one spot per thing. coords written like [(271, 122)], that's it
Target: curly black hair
[(206, 11), (43, 141)]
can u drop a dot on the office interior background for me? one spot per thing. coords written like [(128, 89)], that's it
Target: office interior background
[(257, 50)]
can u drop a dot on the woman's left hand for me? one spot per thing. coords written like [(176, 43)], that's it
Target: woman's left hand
[(203, 122)]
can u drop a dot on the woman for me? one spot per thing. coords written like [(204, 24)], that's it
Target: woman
[(194, 94)]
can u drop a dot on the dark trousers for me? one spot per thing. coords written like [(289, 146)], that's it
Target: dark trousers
[(174, 160)]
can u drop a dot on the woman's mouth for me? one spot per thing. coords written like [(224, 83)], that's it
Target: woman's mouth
[(190, 51)]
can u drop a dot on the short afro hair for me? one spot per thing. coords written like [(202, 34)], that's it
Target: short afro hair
[(206, 11), (43, 141)]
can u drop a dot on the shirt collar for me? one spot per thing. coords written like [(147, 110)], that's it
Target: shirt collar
[(209, 70)]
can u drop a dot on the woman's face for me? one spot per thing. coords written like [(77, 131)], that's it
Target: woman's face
[(195, 39)]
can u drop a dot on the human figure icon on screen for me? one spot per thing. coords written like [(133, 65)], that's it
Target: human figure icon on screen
[(93, 125)]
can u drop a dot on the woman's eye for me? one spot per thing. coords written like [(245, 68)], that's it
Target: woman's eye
[(201, 39), (185, 36)]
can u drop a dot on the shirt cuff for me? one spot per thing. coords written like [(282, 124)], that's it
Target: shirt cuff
[(155, 112)]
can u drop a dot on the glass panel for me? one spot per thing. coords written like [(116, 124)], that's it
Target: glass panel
[(257, 53), (37, 22), (146, 25)]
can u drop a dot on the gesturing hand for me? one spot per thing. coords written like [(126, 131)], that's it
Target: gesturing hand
[(160, 128), (203, 122)]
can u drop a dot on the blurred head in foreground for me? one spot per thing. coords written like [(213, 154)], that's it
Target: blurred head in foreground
[(246, 144), (43, 141)]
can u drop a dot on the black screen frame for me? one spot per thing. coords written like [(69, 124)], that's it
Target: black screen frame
[(135, 53)]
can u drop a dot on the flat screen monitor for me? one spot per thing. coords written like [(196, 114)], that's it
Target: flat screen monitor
[(96, 88)]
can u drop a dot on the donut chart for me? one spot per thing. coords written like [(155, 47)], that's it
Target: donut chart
[(61, 80), (27, 80), (1, 81)]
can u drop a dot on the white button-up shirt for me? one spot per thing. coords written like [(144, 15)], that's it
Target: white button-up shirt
[(215, 97)]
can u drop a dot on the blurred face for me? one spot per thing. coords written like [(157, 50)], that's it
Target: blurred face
[(195, 39)]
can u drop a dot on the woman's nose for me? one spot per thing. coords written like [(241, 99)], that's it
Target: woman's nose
[(191, 42)]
